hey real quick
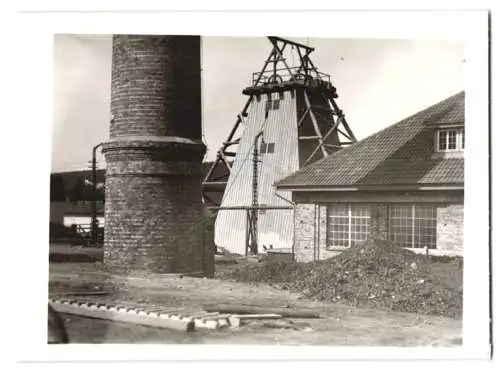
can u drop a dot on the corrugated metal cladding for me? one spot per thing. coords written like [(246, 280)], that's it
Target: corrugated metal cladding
[(275, 227)]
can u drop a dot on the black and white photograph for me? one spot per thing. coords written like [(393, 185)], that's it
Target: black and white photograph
[(268, 189)]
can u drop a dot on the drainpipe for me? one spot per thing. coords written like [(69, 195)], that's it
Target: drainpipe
[(293, 218), (94, 223)]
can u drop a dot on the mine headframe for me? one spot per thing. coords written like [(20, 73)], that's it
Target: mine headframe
[(322, 127)]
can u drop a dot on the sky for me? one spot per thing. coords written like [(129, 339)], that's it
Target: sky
[(379, 82)]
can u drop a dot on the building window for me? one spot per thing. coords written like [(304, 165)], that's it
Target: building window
[(272, 104), (347, 224), (267, 148), (413, 226), (450, 139)]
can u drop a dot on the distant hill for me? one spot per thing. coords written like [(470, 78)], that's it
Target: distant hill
[(73, 184)]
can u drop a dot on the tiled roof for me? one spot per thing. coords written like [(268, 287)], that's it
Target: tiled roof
[(402, 154)]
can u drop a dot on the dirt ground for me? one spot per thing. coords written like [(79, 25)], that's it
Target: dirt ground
[(339, 325)]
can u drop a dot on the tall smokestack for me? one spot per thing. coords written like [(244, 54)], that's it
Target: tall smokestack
[(153, 209)]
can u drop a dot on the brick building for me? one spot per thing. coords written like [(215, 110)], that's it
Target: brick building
[(404, 183)]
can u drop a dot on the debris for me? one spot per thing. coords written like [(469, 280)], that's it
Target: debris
[(283, 324), (234, 321), (248, 309), (224, 260), (372, 268)]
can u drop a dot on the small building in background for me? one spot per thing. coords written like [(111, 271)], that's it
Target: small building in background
[(71, 195), (404, 184)]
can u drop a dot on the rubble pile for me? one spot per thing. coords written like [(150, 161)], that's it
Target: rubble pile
[(374, 273)]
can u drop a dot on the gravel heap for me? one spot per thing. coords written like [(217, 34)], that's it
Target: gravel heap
[(374, 273)]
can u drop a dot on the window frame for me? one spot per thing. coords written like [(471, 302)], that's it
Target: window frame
[(351, 230), (267, 147), (414, 218), (459, 139)]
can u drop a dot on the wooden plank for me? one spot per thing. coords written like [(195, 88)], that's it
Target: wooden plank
[(257, 316), (99, 293), (160, 321), (248, 309)]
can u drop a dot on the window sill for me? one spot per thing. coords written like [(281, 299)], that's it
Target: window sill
[(448, 154), (337, 249), (437, 252)]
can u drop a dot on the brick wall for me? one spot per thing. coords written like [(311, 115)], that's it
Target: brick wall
[(156, 86), (153, 209), (304, 232), (379, 214), (450, 219), (310, 221), (449, 228)]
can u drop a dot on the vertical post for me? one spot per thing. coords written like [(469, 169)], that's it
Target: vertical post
[(94, 223), (255, 196), (247, 230)]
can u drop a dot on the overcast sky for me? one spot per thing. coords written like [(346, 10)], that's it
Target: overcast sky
[(379, 83)]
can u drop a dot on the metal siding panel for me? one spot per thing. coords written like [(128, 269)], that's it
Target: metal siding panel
[(275, 227)]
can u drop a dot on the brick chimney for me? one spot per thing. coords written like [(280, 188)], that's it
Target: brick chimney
[(153, 209)]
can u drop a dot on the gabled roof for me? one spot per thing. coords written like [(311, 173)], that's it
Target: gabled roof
[(402, 154)]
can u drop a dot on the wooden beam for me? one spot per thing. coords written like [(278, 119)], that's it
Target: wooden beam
[(301, 62), (229, 140), (213, 186), (294, 43), (99, 293), (330, 131), (344, 134), (207, 198), (249, 309), (238, 120), (257, 316), (226, 163), (302, 118), (351, 135), (315, 124), (263, 69), (308, 137), (212, 167), (235, 142), (279, 51)]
